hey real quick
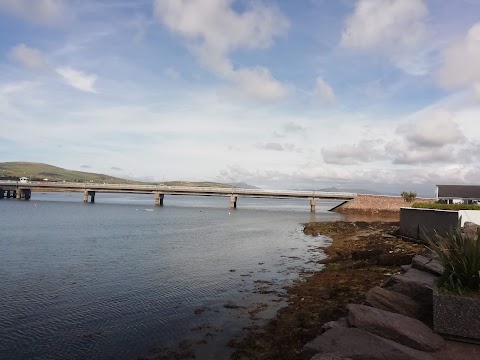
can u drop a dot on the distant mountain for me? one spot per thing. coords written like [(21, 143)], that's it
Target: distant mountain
[(39, 172), (242, 185), (358, 191)]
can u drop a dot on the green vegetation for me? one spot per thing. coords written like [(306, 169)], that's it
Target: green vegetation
[(409, 196), (460, 255), (454, 207), (39, 172)]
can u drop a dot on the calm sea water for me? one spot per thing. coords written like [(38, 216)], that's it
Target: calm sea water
[(114, 279)]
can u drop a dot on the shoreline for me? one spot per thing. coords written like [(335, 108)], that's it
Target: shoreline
[(361, 255)]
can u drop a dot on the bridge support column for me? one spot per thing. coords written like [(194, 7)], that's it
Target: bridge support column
[(27, 194), (2, 193), (313, 204), (8, 194), (88, 193), (159, 199), (233, 201), (18, 194)]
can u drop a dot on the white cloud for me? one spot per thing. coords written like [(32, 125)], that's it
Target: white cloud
[(43, 12), (29, 57), (461, 62), (433, 130), (214, 30), (325, 91), (364, 151), (78, 79), (259, 83), (394, 28)]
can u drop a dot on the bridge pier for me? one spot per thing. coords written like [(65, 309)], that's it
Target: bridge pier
[(8, 194), (2, 193), (88, 193), (233, 201), (313, 204), (159, 199), (20, 194)]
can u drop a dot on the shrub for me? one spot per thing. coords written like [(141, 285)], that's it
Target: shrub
[(460, 255), (409, 196), (422, 205)]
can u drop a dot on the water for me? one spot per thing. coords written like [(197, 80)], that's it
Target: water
[(114, 279)]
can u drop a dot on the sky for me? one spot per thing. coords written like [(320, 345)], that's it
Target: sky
[(281, 94)]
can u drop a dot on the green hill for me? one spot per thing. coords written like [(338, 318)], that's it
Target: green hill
[(39, 172)]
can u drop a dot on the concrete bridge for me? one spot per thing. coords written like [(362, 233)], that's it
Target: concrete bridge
[(23, 190)]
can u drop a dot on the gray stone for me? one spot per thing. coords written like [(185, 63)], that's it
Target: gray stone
[(405, 268), (415, 276), (342, 322), (426, 264), (471, 230), (393, 301), (399, 328), (357, 344), (329, 356), (435, 267)]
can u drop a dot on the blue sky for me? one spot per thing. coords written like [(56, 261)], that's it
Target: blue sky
[(382, 94)]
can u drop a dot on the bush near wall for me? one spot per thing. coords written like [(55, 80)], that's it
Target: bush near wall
[(421, 205)]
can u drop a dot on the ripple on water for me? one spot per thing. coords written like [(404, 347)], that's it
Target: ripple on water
[(108, 282)]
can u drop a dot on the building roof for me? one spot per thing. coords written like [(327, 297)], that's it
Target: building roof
[(459, 191)]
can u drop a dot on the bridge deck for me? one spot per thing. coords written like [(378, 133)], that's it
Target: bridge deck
[(176, 190)]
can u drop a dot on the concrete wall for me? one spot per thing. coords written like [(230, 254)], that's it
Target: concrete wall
[(469, 215), (413, 221)]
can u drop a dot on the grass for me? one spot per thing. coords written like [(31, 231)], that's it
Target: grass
[(460, 255), (422, 205)]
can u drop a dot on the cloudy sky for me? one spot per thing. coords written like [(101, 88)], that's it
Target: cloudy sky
[(379, 94)]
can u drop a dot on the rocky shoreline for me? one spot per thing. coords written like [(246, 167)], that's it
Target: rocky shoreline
[(363, 305), (362, 255)]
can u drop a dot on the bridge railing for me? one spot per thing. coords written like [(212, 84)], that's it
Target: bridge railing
[(185, 189)]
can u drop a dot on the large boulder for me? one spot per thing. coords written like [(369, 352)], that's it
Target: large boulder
[(393, 301), (342, 322), (424, 263), (414, 276), (357, 344), (399, 328)]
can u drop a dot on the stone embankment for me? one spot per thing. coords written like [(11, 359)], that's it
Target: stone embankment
[(375, 204), (392, 324)]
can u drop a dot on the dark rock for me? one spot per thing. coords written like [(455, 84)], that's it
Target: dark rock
[(399, 328), (435, 267), (413, 275), (392, 301), (360, 345), (342, 322), (405, 268), (419, 262), (329, 356), (424, 263)]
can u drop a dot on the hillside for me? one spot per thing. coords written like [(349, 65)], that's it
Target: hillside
[(39, 171)]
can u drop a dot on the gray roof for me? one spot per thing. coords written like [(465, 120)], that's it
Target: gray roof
[(459, 191)]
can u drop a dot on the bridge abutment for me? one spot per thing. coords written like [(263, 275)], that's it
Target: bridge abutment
[(233, 201), (159, 199)]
